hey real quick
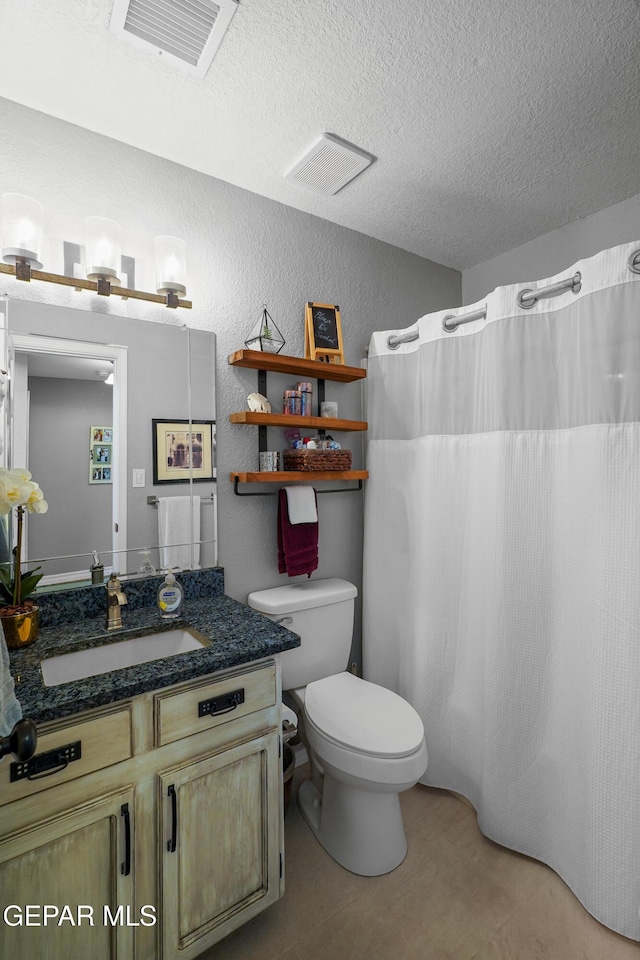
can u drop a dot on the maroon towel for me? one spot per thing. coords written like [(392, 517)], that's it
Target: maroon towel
[(297, 542)]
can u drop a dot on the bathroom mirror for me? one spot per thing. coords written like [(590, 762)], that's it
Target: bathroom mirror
[(84, 388)]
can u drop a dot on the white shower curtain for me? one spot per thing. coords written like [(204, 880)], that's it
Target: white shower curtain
[(502, 566)]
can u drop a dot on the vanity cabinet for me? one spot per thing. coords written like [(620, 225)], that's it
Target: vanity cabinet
[(221, 858), (74, 860), (181, 825)]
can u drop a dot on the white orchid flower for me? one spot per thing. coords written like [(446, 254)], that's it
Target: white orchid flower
[(17, 489), (36, 502)]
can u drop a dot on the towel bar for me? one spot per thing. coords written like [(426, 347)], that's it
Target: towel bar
[(274, 493), (153, 501)]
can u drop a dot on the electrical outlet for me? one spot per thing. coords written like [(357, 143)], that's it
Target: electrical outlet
[(138, 477)]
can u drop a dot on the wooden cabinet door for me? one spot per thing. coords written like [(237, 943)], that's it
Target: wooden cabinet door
[(77, 863), (220, 844)]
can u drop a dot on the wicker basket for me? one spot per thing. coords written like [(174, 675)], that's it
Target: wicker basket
[(307, 461)]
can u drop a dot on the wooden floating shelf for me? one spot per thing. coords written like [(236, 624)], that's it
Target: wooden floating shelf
[(298, 476), (295, 366), (287, 420)]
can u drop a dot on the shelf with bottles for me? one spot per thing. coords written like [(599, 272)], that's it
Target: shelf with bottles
[(296, 367)]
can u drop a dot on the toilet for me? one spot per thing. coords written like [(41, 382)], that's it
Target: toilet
[(365, 743)]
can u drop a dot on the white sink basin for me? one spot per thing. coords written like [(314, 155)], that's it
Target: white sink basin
[(122, 653)]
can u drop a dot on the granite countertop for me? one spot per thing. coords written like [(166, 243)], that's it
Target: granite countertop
[(238, 635)]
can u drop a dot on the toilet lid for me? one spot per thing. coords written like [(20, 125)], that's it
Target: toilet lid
[(363, 717)]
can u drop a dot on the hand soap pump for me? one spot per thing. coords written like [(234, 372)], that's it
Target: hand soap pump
[(170, 596), (97, 569)]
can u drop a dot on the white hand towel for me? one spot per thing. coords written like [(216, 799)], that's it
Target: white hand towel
[(175, 532), (10, 709), (301, 504)]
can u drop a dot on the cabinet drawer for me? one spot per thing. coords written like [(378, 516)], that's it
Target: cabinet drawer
[(74, 747), (209, 704)]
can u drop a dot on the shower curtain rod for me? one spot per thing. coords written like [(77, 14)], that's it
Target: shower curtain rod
[(526, 299)]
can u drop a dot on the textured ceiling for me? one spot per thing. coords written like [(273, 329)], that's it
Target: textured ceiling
[(493, 122)]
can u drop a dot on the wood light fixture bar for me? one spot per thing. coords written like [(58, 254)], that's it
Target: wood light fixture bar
[(22, 271)]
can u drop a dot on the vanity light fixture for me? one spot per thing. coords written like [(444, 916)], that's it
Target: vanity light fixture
[(171, 267), (103, 252), (21, 230)]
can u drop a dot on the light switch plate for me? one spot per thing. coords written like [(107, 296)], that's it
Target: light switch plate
[(138, 477)]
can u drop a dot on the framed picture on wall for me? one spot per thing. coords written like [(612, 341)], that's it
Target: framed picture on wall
[(100, 452), (182, 449)]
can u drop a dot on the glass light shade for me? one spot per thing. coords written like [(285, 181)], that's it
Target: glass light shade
[(103, 249), (22, 228), (171, 265)]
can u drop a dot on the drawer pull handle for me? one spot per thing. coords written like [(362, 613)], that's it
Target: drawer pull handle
[(125, 867), (46, 764), (224, 704), (171, 843)]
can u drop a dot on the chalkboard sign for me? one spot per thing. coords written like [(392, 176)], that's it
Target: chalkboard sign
[(323, 332)]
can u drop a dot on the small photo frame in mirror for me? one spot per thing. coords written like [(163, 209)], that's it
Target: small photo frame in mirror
[(183, 449), (100, 454)]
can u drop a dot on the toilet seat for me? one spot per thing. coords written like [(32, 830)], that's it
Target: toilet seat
[(363, 718)]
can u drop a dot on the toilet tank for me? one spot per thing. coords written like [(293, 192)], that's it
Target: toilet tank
[(321, 613)]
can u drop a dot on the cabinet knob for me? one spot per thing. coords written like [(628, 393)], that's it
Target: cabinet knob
[(22, 741)]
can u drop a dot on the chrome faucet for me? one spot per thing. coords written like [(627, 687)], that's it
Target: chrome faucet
[(116, 600)]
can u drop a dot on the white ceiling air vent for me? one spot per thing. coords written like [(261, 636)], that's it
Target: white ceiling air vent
[(187, 32), (329, 165)]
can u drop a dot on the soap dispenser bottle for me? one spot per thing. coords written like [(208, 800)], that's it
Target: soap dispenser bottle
[(170, 596), (97, 569)]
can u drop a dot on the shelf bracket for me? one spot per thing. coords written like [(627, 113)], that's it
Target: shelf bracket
[(274, 493), (320, 385), (262, 431)]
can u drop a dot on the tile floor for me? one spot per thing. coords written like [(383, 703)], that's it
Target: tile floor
[(457, 896)]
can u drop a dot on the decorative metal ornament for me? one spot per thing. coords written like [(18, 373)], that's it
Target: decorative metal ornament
[(265, 335)]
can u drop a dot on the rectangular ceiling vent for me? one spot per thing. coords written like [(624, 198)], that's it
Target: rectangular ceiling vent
[(187, 32), (329, 165)]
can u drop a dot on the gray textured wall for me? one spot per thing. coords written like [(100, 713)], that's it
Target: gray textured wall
[(242, 250)]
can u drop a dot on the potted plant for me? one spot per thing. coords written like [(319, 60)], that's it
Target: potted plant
[(20, 616)]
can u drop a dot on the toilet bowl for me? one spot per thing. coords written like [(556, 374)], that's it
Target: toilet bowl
[(365, 743), (368, 744)]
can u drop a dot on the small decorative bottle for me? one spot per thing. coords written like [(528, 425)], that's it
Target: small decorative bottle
[(306, 393), (292, 402)]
